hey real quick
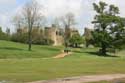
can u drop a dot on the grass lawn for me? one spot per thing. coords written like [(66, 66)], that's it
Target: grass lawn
[(18, 67), (17, 50)]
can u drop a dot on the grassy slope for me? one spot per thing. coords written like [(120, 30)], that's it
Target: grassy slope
[(79, 63), (17, 50)]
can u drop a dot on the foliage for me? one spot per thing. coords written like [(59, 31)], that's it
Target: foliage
[(109, 27), (21, 35), (4, 36), (43, 41), (75, 40), (17, 37)]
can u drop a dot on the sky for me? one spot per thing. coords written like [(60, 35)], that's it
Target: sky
[(82, 9)]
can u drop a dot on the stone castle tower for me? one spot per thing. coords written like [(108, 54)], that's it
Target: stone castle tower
[(55, 34)]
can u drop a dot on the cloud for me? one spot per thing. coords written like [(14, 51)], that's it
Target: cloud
[(6, 9), (82, 9), (5, 21), (7, 2), (58, 8)]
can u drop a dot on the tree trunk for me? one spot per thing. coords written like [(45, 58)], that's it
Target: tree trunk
[(87, 44), (29, 37), (76, 45), (103, 50), (29, 40)]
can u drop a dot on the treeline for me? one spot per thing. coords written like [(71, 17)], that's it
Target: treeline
[(38, 37), (21, 36), (3, 35)]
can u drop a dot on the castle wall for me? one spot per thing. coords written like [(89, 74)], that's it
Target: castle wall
[(52, 33)]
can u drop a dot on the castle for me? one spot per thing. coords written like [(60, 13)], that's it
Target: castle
[(57, 34), (54, 33)]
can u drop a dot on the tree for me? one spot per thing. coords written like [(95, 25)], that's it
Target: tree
[(20, 35), (8, 35), (76, 40), (8, 31), (109, 27), (57, 22), (68, 21), (3, 35), (17, 21), (32, 16), (88, 36)]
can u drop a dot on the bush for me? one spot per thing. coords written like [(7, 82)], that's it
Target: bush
[(22, 38), (4, 36), (37, 37), (38, 40), (42, 41), (76, 40)]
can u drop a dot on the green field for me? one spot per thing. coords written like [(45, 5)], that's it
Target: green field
[(17, 50), (18, 64)]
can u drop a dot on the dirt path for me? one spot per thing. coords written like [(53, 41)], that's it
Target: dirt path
[(62, 55), (84, 79)]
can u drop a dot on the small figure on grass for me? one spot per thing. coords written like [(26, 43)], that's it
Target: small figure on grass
[(67, 49)]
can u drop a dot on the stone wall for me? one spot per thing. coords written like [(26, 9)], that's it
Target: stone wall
[(53, 33)]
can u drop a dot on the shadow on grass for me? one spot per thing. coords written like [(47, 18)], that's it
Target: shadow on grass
[(33, 49), (98, 54), (11, 48)]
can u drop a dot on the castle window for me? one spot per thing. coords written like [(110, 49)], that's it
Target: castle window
[(56, 32)]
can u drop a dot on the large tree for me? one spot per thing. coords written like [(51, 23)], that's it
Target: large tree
[(68, 21), (32, 15), (76, 40), (109, 27)]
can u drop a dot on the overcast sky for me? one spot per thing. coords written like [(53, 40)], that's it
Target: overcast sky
[(82, 9)]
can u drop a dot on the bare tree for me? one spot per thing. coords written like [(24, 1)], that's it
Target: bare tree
[(88, 36), (68, 21), (32, 15), (8, 31), (57, 22), (17, 20)]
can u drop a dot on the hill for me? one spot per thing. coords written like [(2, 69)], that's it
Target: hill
[(17, 50), (20, 65)]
